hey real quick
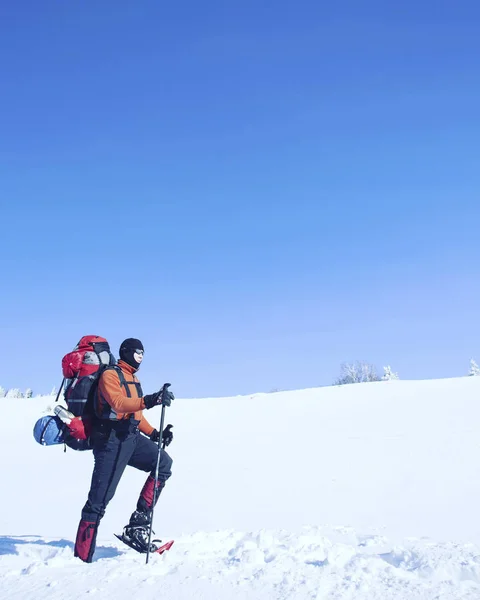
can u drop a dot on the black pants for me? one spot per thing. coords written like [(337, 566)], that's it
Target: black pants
[(113, 451)]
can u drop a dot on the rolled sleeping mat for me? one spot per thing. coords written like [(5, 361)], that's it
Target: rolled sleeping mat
[(49, 431)]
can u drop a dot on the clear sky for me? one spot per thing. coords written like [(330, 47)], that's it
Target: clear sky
[(259, 191)]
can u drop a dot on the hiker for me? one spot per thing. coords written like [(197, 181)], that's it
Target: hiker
[(117, 442)]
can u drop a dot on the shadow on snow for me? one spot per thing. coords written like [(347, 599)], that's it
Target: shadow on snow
[(10, 545)]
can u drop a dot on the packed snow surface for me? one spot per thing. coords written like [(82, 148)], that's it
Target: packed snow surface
[(368, 491)]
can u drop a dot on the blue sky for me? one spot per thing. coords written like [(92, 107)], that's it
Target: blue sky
[(258, 191)]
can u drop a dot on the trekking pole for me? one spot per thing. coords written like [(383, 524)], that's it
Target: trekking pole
[(60, 390), (160, 431)]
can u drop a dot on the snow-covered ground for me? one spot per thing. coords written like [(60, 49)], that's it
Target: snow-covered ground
[(359, 492)]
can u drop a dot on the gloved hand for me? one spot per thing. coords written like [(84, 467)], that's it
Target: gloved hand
[(161, 397), (167, 435)]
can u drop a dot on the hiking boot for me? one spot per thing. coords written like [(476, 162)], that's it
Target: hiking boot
[(139, 518)]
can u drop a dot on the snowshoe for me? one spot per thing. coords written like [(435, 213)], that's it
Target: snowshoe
[(138, 540), (136, 537)]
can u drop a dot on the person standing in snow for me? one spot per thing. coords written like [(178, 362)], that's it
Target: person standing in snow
[(117, 442)]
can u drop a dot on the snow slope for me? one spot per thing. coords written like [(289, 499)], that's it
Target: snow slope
[(363, 492)]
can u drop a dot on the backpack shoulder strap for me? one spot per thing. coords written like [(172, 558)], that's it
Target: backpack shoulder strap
[(121, 377), (124, 383)]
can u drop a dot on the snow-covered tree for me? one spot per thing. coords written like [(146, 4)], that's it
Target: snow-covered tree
[(28, 393), (2, 392), (388, 374), (474, 368), (359, 372), (54, 391), (14, 393)]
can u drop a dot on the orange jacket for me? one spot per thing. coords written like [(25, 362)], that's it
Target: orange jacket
[(112, 392)]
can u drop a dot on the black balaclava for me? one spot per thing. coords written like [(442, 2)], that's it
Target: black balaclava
[(127, 350)]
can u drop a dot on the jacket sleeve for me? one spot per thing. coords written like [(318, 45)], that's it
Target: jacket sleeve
[(145, 426), (111, 389)]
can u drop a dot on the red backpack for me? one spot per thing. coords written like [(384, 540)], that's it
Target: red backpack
[(81, 370)]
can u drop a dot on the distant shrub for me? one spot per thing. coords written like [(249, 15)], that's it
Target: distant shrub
[(388, 374), (359, 372), (474, 369)]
